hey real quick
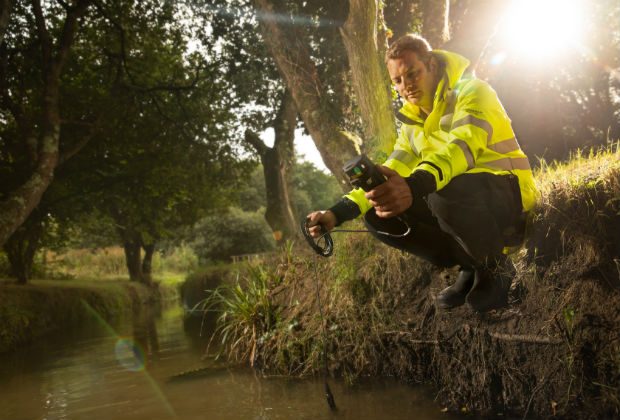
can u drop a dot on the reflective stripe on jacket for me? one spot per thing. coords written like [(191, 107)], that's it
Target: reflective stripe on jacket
[(468, 131)]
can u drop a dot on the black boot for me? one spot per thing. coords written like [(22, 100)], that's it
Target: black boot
[(454, 296), (488, 292)]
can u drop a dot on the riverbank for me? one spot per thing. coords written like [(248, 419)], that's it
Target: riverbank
[(554, 351), (44, 306)]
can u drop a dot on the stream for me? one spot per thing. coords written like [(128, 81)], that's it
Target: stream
[(124, 371)]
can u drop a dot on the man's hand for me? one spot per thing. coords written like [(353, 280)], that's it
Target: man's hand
[(392, 197), (316, 219)]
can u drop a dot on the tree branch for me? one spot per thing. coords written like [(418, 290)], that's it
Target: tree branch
[(7, 100), (163, 87), (68, 31), (44, 36), (19, 203), (519, 338), (123, 56), (122, 38), (252, 139), (297, 68), (24, 124), (68, 154)]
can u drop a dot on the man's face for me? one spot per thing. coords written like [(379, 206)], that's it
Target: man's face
[(413, 81)]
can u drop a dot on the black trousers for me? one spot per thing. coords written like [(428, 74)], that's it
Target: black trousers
[(467, 223)]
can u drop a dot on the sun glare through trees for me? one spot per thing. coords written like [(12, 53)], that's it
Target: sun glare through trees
[(543, 29)]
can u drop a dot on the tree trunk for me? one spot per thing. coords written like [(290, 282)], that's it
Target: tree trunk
[(277, 162), (279, 214), (365, 42), (435, 26), (21, 248), (133, 242), (5, 15), (147, 264), (18, 204), (298, 70), (133, 260)]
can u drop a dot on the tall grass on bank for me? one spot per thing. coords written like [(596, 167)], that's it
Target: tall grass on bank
[(270, 317), (109, 263), (247, 313)]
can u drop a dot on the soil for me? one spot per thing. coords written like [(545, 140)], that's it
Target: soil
[(554, 351)]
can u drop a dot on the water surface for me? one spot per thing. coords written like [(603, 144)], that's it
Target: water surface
[(101, 372)]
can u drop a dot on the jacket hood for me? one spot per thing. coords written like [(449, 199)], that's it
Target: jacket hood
[(455, 67)]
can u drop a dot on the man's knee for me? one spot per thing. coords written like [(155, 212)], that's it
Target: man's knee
[(478, 210), (426, 241)]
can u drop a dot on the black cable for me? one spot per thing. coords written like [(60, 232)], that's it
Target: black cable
[(328, 248), (326, 251), (328, 392)]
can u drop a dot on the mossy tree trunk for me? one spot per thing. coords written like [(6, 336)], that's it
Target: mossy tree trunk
[(364, 38), (21, 201), (296, 67), (277, 165)]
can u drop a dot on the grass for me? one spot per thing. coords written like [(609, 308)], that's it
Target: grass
[(579, 208), (108, 264), (246, 312), (583, 167)]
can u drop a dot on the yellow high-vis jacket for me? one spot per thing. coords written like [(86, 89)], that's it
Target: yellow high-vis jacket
[(468, 131)]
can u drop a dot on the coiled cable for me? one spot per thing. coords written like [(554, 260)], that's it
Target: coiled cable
[(328, 247)]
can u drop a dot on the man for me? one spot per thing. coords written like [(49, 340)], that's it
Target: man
[(456, 172)]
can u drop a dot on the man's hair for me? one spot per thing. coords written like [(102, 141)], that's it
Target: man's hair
[(409, 42)]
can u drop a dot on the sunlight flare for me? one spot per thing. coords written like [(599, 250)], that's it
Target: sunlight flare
[(543, 29)]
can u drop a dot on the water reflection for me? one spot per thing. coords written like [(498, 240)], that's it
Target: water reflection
[(132, 352), (145, 332), (84, 375)]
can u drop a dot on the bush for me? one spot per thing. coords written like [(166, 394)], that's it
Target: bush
[(236, 232), (181, 259)]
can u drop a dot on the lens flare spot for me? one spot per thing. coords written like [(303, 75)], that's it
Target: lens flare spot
[(498, 59), (129, 354)]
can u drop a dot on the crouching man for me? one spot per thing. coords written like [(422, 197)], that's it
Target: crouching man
[(457, 173)]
